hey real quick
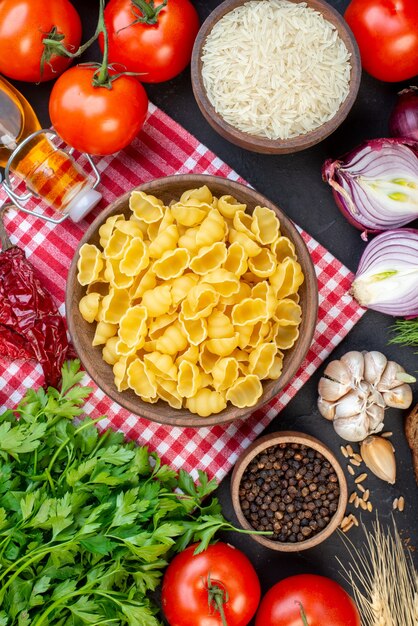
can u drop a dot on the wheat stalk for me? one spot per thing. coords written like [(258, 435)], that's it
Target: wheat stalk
[(383, 578)]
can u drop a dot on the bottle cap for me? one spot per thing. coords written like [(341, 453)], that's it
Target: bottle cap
[(83, 203)]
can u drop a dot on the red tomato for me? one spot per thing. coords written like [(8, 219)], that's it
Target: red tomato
[(97, 120), (158, 51), (185, 594), (324, 602), (23, 26), (387, 35)]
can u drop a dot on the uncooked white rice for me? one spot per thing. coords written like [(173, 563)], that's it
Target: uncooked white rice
[(275, 69)]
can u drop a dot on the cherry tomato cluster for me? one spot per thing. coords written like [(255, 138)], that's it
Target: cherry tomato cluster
[(219, 587), (94, 109)]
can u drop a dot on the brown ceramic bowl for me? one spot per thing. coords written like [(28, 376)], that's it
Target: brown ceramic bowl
[(263, 144), (82, 332), (267, 442)]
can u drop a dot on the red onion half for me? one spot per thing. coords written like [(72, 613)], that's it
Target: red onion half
[(376, 184), (403, 121), (387, 276)]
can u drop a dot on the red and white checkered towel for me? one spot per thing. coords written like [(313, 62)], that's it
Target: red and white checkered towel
[(164, 148)]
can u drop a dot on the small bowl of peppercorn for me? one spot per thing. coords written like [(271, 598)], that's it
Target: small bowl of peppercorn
[(289, 484)]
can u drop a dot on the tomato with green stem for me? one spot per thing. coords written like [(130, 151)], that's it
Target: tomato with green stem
[(218, 587), (387, 35), (24, 25), (96, 110), (152, 37), (307, 600)]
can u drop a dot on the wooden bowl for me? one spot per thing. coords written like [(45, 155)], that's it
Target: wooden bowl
[(263, 144), (267, 442), (82, 332)]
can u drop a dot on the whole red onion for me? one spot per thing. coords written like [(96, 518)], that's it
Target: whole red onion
[(403, 121)]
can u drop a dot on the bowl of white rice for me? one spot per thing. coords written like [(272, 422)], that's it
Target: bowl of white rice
[(275, 76)]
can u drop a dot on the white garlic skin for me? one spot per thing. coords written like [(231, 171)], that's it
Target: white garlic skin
[(355, 390)]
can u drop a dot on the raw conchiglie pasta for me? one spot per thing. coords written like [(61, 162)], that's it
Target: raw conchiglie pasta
[(89, 265), (265, 225), (245, 391), (192, 303), (206, 402), (146, 208), (89, 306)]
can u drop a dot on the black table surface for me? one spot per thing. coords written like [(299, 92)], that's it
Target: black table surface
[(294, 183)]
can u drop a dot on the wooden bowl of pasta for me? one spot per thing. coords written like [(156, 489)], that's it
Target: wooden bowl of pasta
[(192, 300)]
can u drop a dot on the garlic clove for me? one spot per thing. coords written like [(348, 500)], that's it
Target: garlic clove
[(375, 397), (376, 416), (354, 428), (330, 390), (374, 366), (379, 457), (326, 409), (399, 398), (338, 371), (351, 404), (355, 363), (389, 378)]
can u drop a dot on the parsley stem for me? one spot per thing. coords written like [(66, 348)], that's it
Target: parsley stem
[(67, 441)]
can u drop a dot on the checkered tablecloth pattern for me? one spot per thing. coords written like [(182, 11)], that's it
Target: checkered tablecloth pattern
[(164, 148)]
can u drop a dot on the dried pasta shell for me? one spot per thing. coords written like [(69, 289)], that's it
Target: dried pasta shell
[(189, 379), (190, 354), (122, 349), (261, 330), (200, 301), (131, 228), (133, 325), (118, 242), (106, 229), (212, 229), (89, 264), (282, 249), (225, 283), (166, 240), (188, 240), (206, 402), (266, 292), (219, 325), (115, 305), (244, 335), (201, 194), (157, 301), (159, 324), (167, 390), (223, 346), (188, 215), (228, 205), (141, 379), (225, 373), (265, 225), (243, 223), (207, 359), (146, 207), (142, 283), (181, 286), (249, 311), (250, 246), (209, 258), (287, 278), (173, 340), (236, 259), (109, 353), (135, 258), (245, 391), (264, 264), (244, 292), (285, 336), (261, 359), (89, 306), (288, 313), (195, 329), (103, 332), (162, 365), (172, 263), (115, 277), (120, 372), (277, 367)]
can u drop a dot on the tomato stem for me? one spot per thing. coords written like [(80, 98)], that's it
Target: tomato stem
[(101, 78), (148, 9), (303, 614), (217, 597)]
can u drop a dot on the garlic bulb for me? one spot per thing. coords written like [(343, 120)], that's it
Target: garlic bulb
[(355, 390), (379, 457)]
